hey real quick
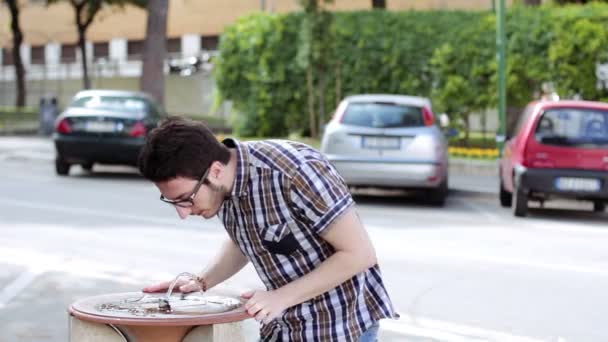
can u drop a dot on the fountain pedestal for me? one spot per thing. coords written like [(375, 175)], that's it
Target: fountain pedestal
[(121, 317)]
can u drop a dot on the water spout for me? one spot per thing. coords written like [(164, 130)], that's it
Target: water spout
[(163, 303)]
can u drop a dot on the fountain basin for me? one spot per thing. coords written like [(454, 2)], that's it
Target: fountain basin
[(134, 316)]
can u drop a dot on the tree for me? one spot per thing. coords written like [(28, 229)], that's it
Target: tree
[(314, 55), (17, 41), (155, 50), (84, 14)]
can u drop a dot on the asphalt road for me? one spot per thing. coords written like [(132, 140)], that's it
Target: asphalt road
[(467, 272)]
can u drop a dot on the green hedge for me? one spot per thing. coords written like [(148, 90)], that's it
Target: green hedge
[(449, 56), (15, 113)]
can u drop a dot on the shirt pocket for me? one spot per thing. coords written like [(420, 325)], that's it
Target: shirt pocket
[(279, 239)]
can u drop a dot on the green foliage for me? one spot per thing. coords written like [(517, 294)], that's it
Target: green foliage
[(449, 56), (19, 113), (257, 70)]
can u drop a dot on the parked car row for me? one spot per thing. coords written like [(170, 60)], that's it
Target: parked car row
[(373, 140)]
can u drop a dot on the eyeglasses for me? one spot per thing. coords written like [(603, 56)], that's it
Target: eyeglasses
[(188, 202)]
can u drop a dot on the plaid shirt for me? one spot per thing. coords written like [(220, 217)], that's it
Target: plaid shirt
[(284, 196)]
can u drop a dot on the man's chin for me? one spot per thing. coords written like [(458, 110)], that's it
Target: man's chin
[(207, 215)]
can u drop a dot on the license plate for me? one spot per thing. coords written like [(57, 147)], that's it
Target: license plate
[(577, 184), (384, 143), (100, 126)]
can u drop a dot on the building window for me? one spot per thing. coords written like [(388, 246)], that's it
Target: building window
[(174, 46), (210, 42), (7, 56), (37, 54), (68, 53), (101, 50), (135, 49)]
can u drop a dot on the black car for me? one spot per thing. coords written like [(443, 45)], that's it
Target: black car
[(104, 126)]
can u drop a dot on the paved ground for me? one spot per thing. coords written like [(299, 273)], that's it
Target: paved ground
[(465, 272)]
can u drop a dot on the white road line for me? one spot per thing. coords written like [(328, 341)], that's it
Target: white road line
[(16, 286), (478, 209), (90, 212), (405, 327), (535, 223), (446, 331)]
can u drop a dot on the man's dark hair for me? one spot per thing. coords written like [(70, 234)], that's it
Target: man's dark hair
[(180, 147)]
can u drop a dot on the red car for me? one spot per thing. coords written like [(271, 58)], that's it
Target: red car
[(559, 149)]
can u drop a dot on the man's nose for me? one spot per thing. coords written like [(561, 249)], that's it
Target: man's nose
[(183, 212)]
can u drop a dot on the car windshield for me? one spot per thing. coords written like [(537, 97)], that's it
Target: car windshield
[(382, 115), (573, 127), (121, 103)]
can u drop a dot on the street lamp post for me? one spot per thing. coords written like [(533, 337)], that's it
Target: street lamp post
[(501, 46)]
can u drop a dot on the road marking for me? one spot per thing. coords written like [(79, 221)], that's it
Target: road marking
[(478, 209), (16, 286), (89, 212), (447, 331), (406, 326), (535, 223), (426, 254)]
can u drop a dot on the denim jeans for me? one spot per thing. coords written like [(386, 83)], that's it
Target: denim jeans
[(371, 334)]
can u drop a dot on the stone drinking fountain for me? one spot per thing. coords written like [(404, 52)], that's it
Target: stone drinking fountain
[(164, 317)]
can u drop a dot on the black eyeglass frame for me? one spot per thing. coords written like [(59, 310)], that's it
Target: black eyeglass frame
[(188, 202)]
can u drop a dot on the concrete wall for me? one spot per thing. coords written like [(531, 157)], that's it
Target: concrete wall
[(183, 94)]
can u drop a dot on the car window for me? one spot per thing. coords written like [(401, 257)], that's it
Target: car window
[(123, 103), (573, 127), (382, 115)]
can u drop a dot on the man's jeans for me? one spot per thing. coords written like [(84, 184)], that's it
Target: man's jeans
[(371, 334)]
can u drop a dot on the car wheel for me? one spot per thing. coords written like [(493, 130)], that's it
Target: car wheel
[(599, 206), (61, 167), (87, 167), (519, 202), (506, 198), (438, 195)]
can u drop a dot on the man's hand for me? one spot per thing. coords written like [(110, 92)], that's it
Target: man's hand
[(264, 306), (182, 285)]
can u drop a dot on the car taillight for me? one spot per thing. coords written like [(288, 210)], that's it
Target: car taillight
[(429, 117), (138, 130), (63, 127)]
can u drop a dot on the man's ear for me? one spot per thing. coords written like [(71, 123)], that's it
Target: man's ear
[(216, 170)]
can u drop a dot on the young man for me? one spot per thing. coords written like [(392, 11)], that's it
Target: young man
[(287, 211)]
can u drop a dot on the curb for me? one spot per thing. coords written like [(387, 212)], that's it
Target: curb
[(473, 167)]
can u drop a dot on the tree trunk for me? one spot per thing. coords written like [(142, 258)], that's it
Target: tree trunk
[(155, 49), (338, 83), (17, 41), (82, 45), (379, 4), (322, 82), (311, 102)]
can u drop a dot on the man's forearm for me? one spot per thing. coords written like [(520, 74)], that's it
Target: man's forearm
[(226, 263), (338, 268)]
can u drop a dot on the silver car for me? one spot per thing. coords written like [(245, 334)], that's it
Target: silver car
[(388, 141)]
